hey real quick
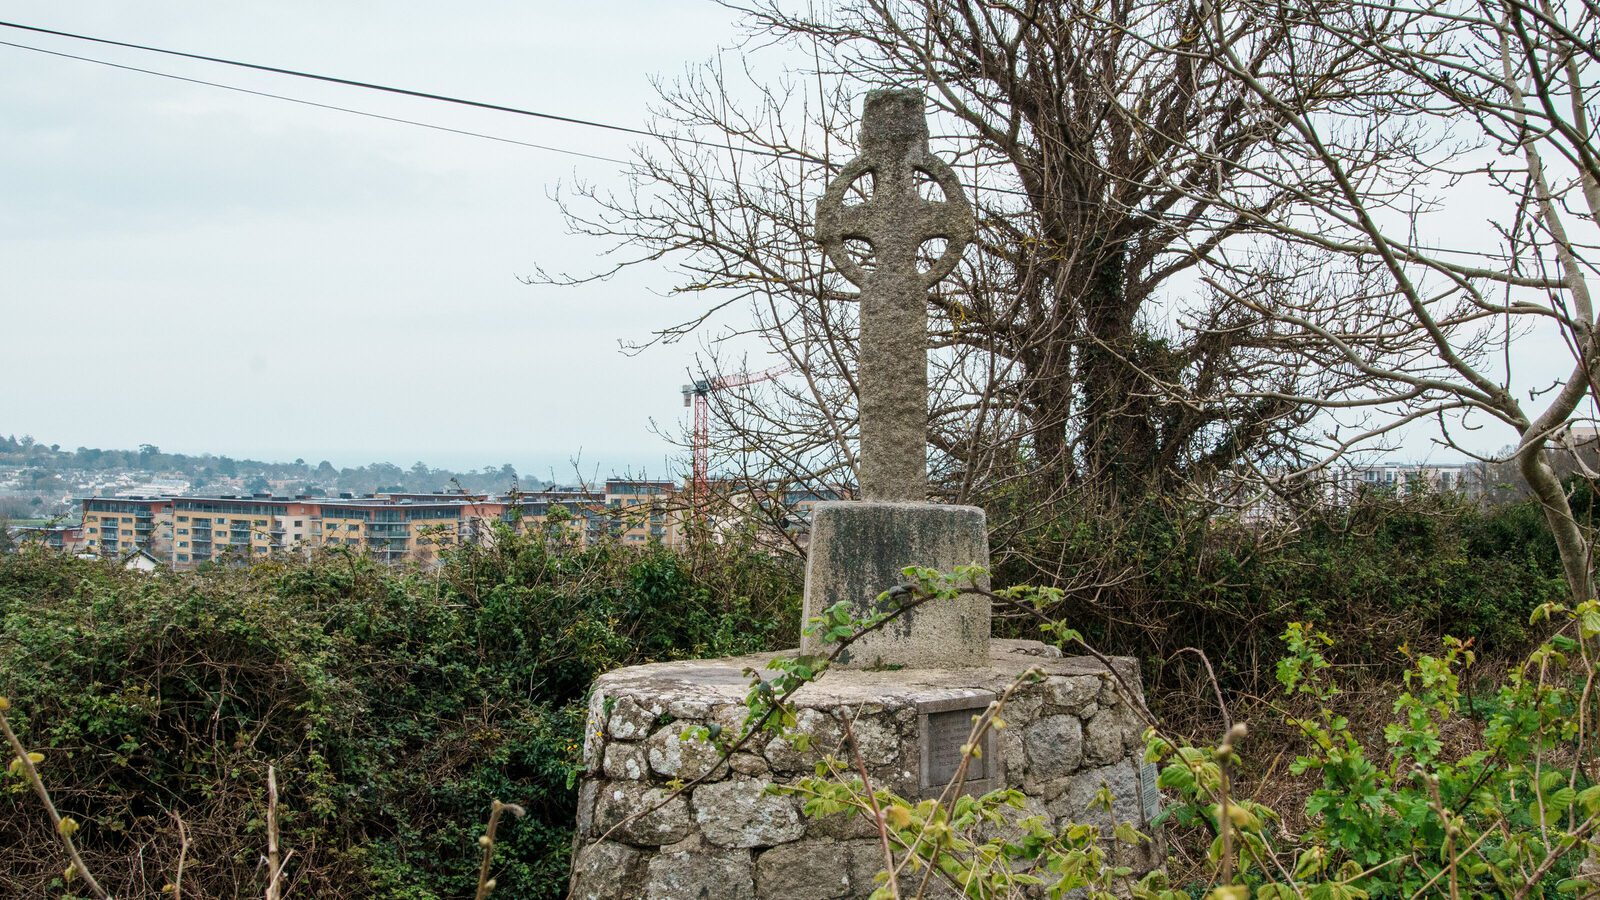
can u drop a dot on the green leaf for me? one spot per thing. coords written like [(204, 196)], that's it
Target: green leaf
[(1127, 834), (1589, 799), (1176, 777)]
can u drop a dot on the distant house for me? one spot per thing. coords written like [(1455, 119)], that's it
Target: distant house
[(141, 560), (57, 537), (1402, 479)]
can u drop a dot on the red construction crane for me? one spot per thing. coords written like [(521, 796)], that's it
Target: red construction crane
[(698, 395)]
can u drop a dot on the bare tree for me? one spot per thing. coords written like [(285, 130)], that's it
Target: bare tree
[(1481, 110), (1077, 348)]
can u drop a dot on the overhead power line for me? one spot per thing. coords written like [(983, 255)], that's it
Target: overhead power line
[(404, 92), (430, 125), (329, 106), (767, 153)]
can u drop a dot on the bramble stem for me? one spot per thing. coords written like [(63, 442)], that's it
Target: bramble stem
[(49, 805), (485, 883)]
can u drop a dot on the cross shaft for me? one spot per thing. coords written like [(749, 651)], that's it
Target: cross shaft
[(895, 221)]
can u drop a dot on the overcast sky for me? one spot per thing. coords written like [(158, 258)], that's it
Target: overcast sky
[(211, 271)]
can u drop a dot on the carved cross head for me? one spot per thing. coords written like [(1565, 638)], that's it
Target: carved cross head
[(893, 171)]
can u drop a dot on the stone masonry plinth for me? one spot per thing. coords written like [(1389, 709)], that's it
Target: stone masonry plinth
[(727, 839)]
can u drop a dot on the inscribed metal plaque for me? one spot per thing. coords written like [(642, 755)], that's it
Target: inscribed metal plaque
[(1149, 793), (943, 737)]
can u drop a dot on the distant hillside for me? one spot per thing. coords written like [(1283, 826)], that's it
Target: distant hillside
[(38, 479)]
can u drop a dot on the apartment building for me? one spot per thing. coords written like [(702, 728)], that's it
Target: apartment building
[(217, 529), (571, 521), (185, 532), (642, 511), (115, 526), (405, 527)]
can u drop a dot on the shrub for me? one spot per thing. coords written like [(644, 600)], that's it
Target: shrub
[(1166, 577), (1497, 801), (1504, 804), (394, 704)]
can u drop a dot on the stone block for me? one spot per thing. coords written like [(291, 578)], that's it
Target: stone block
[(880, 738), (905, 780), (1075, 692), (825, 735), (857, 551), (865, 860), (673, 757), (1077, 804), (1022, 708), (803, 870), (731, 717), (741, 813), (588, 796), (621, 799), (1054, 746), (624, 761), (632, 720), (1111, 688), (1110, 735), (748, 764), (689, 709), (701, 875), (1047, 789), (594, 737), (607, 871), (1008, 746)]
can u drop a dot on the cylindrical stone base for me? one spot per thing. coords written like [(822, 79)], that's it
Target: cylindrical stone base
[(1070, 734)]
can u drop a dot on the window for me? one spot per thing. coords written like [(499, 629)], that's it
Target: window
[(299, 522), (183, 543), (221, 521), (183, 531), (183, 557), (183, 518), (261, 521), (127, 518), (333, 526)]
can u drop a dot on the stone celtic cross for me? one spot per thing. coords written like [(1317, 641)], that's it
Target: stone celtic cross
[(895, 221)]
